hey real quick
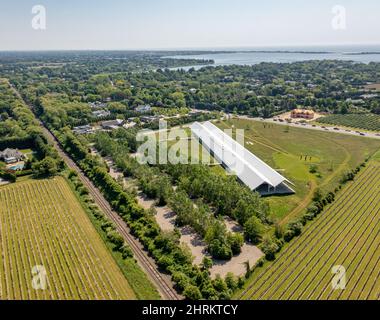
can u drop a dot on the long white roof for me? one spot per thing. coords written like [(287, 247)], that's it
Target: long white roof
[(251, 170)]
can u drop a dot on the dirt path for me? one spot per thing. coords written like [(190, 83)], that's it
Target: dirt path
[(269, 144), (237, 265), (341, 167), (165, 218), (303, 204)]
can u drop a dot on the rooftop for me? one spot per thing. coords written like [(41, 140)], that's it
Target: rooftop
[(251, 170)]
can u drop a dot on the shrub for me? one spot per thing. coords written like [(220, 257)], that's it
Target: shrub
[(313, 168), (231, 281), (278, 231), (115, 238), (270, 248), (236, 241), (207, 263), (220, 250), (9, 176), (296, 227), (126, 252)]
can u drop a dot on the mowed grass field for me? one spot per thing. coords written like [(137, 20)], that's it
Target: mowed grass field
[(285, 148), (346, 234), (43, 224)]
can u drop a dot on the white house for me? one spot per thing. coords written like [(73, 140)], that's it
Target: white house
[(101, 113), (144, 108), (111, 124), (11, 155)]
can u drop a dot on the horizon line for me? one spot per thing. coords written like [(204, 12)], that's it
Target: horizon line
[(214, 48)]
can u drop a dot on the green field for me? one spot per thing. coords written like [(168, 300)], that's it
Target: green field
[(366, 121), (282, 147), (346, 234), (43, 224)]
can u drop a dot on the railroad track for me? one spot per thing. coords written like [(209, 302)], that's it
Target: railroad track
[(162, 282)]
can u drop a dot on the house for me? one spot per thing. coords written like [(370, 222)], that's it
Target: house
[(148, 119), (369, 96), (101, 113), (355, 101), (302, 113), (111, 124), (143, 108), (83, 129), (97, 104), (11, 155), (129, 124), (195, 113)]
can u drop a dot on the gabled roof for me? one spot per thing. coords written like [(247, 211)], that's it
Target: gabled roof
[(116, 122), (11, 153), (250, 169)]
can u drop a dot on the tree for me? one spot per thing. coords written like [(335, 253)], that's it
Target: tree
[(344, 109), (219, 284), (236, 241), (231, 281), (206, 263), (192, 292), (253, 229), (126, 252), (115, 238), (220, 250), (317, 195), (278, 230), (9, 176), (45, 167), (269, 248)]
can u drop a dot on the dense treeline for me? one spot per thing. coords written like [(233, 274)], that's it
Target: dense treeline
[(225, 193), (260, 90), (157, 185), (20, 129), (194, 282)]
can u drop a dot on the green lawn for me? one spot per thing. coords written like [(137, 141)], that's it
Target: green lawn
[(284, 149)]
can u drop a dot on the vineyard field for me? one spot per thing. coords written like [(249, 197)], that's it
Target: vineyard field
[(346, 234), (42, 224), (369, 122)]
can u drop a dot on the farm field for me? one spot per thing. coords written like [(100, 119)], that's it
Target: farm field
[(373, 87), (370, 122), (43, 224), (346, 234), (285, 149)]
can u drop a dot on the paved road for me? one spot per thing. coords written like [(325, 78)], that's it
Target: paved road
[(356, 133), (162, 281)]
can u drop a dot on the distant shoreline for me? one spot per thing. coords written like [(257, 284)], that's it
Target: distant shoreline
[(361, 53)]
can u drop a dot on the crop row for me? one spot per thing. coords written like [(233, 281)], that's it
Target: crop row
[(362, 121), (347, 231), (298, 245), (43, 224)]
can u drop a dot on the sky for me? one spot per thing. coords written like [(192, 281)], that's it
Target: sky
[(185, 24)]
